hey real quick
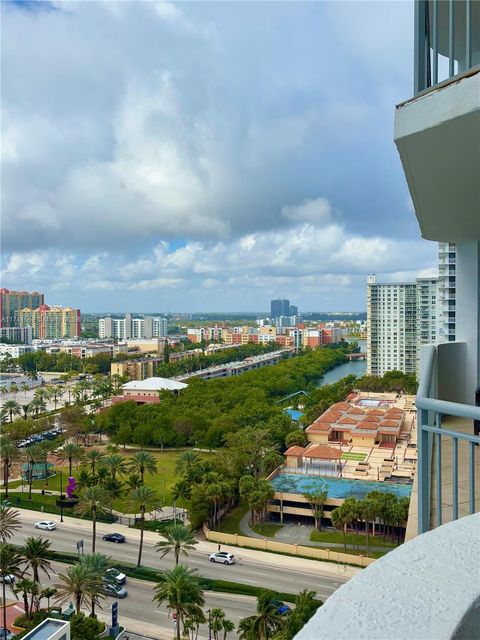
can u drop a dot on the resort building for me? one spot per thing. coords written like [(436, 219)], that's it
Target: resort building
[(52, 322)]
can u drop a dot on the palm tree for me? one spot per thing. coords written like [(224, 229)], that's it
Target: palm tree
[(142, 462), (13, 408), (26, 587), (55, 393), (71, 452), (96, 564), (25, 387), (38, 405), (181, 490), (9, 454), (115, 463), (45, 447), (35, 553), (41, 392), (94, 458), (185, 462), (26, 408), (143, 499), (79, 583), (340, 521), (3, 390), (369, 513), (180, 589), (32, 375), (14, 388), (265, 622), (178, 539), (48, 593), (192, 621), (93, 501), (9, 523), (10, 560), (219, 623)]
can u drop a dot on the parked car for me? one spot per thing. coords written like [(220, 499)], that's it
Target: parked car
[(8, 578), (223, 557), (114, 537), (48, 525), (115, 576), (115, 590), (282, 608)]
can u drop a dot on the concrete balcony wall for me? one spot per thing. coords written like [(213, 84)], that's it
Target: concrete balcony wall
[(427, 589)]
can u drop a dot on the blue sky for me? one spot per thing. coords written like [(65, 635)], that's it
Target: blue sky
[(205, 156)]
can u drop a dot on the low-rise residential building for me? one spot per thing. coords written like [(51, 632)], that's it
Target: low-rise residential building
[(84, 349), (52, 322), (14, 350), (136, 369)]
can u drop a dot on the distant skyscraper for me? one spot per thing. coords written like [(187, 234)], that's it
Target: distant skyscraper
[(279, 308), (293, 310), (446, 313)]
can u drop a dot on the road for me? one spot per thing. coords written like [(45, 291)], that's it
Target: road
[(138, 613), (290, 575)]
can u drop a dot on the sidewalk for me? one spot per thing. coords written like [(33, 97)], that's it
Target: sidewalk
[(203, 546)]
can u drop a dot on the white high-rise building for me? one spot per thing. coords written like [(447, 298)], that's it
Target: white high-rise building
[(136, 328), (446, 313), (427, 314), (391, 327)]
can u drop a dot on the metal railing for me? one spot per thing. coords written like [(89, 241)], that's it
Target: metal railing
[(430, 433), (445, 31)]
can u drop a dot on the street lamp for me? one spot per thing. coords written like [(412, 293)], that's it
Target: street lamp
[(209, 625), (61, 495)]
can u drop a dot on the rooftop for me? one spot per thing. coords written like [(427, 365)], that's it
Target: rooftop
[(46, 629), (154, 384)]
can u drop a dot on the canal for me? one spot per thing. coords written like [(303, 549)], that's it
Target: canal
[(355, 367)]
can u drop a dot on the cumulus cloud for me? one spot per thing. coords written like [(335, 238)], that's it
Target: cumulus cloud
[(317, 211)]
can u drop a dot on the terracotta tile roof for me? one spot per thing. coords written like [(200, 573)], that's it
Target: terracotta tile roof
[(330, 416), (356, 410), (295, 451), (371, 419), (391, 412), (341, 406), (319, 426), (371, 426), (322, 452), (376, 412), (389, 423), (347, 420)]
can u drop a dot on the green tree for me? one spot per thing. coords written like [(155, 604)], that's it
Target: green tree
[(25, 387), (220, 625), (13, 408), (10, 455), (142, 462), (35, 556), (297, 437), (179, 588), (115, 463), (143, 499), (10, 563), (340, 520), (29, 589), (185, 462), (70, 452), (78, 583), (316, 496), (94, 501), (96, 565), (48, 593), (33, 454), (178, 539), (94, 458), (9, 523), (265, 623)]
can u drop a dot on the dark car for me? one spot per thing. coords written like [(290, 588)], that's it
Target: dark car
[(114, 537), (282, 608)]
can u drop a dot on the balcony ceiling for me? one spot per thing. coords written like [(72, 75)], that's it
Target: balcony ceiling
[(438, 138)]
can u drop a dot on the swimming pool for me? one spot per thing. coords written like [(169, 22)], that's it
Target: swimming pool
[(337, 487), (371, 402)]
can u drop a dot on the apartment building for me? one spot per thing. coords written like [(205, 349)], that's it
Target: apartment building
[(16, 334), (12, 302), (446, 312), (130, 327), (205, 334), (52, 322), (391, 327)]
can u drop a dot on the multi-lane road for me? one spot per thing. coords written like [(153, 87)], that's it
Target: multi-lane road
[(260, 569)]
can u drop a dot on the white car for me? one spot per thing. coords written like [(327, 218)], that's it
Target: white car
[(46, 524), (8, 578), (223, 557)]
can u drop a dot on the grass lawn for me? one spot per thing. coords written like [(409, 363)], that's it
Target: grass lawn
[(354, 456), (337, 536), (231, 522), (166, 461), (267, 529)]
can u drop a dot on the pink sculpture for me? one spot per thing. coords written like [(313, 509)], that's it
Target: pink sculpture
[(71, 486)]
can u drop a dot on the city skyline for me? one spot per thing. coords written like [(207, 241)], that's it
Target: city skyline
[(212, 197)]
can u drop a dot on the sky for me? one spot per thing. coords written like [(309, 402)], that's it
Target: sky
[(205, 156)]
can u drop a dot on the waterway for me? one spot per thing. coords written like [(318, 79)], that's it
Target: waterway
[(355, 367)]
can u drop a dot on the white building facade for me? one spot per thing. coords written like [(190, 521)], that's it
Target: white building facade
[(129, 327)]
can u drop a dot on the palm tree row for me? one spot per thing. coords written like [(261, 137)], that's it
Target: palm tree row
[(392, 512)]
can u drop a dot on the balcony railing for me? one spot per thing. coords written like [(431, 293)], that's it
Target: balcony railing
[(446, 40), (431, 438)]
